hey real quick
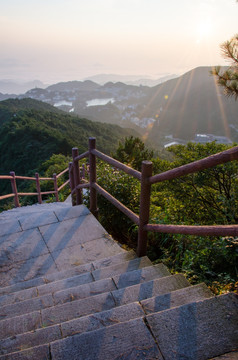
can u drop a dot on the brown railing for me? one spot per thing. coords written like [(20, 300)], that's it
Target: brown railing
[(13, 177), (146, 179), (77, 183)]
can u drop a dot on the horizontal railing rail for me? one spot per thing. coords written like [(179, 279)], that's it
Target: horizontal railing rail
[(128, 170), (203, 164), (146, 179), (15, 193), (78, 182)]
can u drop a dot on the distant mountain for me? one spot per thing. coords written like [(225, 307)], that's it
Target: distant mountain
[(17, 87), (180, 107), (31, 131), (74, 86), (136, 80), (190, 104)]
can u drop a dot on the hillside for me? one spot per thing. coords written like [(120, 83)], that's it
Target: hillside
[(181, 107), (190, 104), (31, 131)]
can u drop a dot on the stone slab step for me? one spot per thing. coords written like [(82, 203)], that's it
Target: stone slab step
[(103, 319), (77, 270), (176, 298), (35, 208), (81, 325), (131, 339), (70, 289), (41, 352), (46, 289), (200, 330), (52, 314), (28, 322), (121, 268), (26, 307), (77, 308), (20, 324), (84, 291), (109, 272), (149, 289), (74, 281), (141, 275)]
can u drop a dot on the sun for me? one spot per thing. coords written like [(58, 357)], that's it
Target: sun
[(204, 30)]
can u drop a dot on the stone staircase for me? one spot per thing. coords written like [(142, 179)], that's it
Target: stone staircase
[(68, 291)]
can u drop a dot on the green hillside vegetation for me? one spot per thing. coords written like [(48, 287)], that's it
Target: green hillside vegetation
[(31, 131), (205, 198)]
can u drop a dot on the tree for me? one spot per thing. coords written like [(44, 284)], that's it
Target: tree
[(133, 152), (229, 78)]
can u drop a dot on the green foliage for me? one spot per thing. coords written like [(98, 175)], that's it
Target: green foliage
[(32, 131), (229, 79), (124, 188), (132, 152), (208, 197)]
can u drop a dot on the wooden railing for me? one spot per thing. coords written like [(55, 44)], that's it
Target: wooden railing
[(77, 183), (146, 179), (13, 177)]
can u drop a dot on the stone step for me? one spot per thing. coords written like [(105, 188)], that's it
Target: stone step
[(100, 320), (109, 272), (70, 288), (140, 276), (52, 314), (131, 339), (70, 294), (176, 298), (24, 323), (200, 330), (88, 323), (32, 321), (121, 268), (190, 335), (41, 352), (77, 270), (150, 289), (74, 281)]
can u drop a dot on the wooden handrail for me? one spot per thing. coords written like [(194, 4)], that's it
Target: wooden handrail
[(128, 170), (202, 230), (206, 163), (5, 177), (37, 179), (62, 173), (82, 156), (146, 181), (77, 183), (118, 204), (6, 196)]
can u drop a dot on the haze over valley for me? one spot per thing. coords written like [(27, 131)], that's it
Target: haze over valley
[(174, 111), (142, 65)]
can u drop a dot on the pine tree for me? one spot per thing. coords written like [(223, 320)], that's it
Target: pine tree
[(229, 78)]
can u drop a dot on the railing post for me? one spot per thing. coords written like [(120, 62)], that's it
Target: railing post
[(144, 207), (38, 188), (71, 182), (83, 171), (14, 189), (56, 187), (75, 153), (92, 177)]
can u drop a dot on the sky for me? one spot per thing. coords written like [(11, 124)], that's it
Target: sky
[(63, 40)]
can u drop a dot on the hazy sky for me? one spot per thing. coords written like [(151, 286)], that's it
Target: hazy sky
[(59, 40)]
